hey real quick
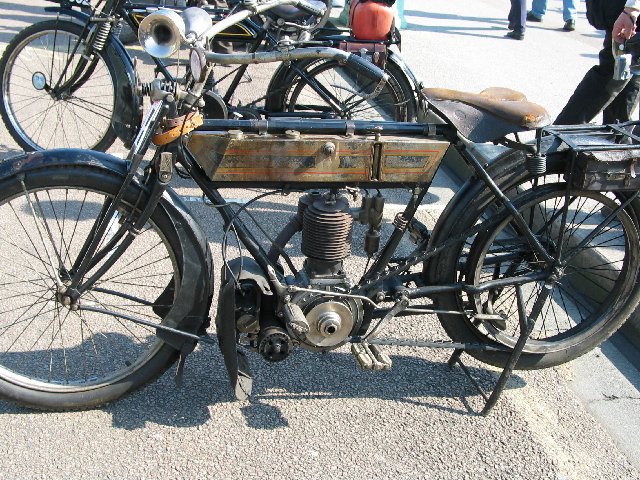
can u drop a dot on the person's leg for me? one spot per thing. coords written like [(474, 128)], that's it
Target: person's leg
[(597, 91), (538, 8), (569, 11), (522, 12), (622, 106), (517, 19), (510, 17)]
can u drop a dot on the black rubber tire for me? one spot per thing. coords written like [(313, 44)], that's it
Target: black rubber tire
[(61, 359), (397, 97), (509, 172), (88, 111), (562, 335)]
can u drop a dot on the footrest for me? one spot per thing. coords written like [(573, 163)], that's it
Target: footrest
[(370, 357)]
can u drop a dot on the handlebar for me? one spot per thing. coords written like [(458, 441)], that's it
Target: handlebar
[(358, 64), (254, 10), (307, 7)]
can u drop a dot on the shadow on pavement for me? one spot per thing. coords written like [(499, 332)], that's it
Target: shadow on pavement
[(630, 353), (24, 14), (304, 376)]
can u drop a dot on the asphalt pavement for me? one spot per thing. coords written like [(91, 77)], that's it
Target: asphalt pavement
[(318, 416)]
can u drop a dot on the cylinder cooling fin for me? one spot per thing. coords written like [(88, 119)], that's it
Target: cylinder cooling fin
[(326, 229)]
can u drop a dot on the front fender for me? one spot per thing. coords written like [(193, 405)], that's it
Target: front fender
[(78, 15), (195, 290), (127, 114), (127, 111)]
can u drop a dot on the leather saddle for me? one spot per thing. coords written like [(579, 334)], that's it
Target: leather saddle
[(489, 115)]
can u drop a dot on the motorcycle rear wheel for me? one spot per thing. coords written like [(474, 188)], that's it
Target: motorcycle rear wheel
[(53, 357), (34, 62), (569, 324)]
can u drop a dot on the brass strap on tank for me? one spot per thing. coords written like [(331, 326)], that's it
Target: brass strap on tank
[(179, 126)]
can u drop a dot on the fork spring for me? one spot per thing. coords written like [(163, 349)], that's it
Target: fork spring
[(101, 36)]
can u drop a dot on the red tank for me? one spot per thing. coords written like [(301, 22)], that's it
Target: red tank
[(370, 19)]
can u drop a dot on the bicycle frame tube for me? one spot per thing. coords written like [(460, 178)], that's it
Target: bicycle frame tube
[(373, 277)]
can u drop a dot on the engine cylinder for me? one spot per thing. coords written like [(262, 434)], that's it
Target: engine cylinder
[(326, 230)]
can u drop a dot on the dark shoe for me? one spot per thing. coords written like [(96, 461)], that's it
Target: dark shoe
[(569, 25), (516, 35), (531, 17), (511, 26)]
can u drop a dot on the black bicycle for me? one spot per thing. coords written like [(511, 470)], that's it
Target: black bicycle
[(70, 82)]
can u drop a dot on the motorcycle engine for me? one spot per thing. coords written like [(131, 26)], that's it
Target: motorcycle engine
[(321, 321), (327, 225)]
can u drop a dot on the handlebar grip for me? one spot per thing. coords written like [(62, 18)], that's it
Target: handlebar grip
[(366, 68), (307, 7)]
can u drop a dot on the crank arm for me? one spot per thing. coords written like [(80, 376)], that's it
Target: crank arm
[(400, 305)]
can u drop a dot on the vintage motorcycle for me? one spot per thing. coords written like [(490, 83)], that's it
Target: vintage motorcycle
[(107, 278), (71, 74)]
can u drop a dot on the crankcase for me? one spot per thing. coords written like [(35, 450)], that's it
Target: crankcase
[(235, 156)]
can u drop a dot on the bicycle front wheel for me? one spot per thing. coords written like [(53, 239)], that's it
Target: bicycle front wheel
[(37, 111), (56, 357)]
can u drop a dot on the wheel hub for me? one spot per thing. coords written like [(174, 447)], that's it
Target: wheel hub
[(65, 299)]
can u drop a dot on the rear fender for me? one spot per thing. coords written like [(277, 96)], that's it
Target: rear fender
[(195, 290)]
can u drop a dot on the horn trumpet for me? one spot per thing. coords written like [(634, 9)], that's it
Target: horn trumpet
[(161, 33)]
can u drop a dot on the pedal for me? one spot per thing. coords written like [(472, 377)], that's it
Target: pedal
[(362, 357), (382, 358), (370, 357)]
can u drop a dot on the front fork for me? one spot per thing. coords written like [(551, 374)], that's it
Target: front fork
[(83, 70), (91, 254)]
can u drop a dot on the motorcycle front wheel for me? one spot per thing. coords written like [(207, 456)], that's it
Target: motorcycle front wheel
[(58, 357), (37, 113)]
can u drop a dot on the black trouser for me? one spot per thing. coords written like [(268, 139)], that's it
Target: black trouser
[(518, 15), (598, 91)]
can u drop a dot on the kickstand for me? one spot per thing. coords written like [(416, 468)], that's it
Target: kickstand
[(526, 326)]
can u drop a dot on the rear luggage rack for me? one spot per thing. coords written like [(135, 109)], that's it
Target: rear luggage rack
[(604, 156), (596, 138)]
